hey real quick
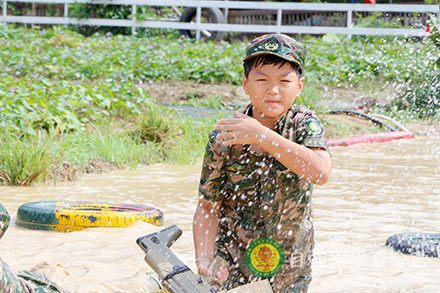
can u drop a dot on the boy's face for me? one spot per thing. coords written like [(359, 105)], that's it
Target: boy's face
[(272, 89)]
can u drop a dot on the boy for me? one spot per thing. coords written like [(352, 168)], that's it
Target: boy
[(254, 209)]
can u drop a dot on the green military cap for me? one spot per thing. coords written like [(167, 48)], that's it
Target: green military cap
[(280, 45)]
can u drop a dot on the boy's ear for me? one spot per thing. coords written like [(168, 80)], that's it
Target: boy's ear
[(300, 86), (246, 91)]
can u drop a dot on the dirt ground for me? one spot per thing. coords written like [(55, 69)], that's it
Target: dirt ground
[(174, 92)]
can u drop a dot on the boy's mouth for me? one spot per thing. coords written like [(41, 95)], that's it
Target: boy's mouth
[(272, 102)]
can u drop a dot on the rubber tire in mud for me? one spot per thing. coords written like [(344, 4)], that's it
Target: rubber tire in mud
[(419, 244), (67, 216), (214, 14)]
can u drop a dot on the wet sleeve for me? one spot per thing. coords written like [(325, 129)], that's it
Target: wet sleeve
[(213, 178), (310, 133), (4, 220), (9, 282)]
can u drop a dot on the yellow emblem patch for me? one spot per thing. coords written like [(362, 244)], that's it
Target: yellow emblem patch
[(312, 126), (271, 45), (235, 167), (265, 257)]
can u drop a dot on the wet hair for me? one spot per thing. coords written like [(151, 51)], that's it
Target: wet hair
[(268, 59)]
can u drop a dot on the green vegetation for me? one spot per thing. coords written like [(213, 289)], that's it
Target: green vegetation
[(162, 136), (69, 99), (23, 161), (421, 94), (64, 55), (29, 104), (79, 10), (358, 62)]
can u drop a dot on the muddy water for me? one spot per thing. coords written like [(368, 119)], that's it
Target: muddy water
[(375, 191)]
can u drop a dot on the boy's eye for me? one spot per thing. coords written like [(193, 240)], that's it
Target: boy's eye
[(285, 80), (261, 79)]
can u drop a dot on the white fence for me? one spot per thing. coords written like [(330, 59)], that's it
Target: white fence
[(198, 26)]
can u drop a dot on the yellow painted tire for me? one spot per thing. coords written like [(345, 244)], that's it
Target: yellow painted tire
[(67, 216)]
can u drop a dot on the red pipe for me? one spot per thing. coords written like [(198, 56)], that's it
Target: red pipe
[(370, 138)]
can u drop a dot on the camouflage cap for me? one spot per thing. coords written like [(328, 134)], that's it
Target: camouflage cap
[(280, 45)]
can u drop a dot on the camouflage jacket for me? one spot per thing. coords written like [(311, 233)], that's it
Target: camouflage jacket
[(261, 198), (24, 282)]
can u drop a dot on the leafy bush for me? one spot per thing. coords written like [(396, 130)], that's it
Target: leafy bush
[(421, 93), (61, 54), (81, 11), (359, 61), (27, 105), (64, 55), (375, 20)]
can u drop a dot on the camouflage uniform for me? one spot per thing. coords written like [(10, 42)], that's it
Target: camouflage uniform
[(261, 198), (25, 282)]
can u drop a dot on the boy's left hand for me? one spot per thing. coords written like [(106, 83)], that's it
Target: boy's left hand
[(240, 130)]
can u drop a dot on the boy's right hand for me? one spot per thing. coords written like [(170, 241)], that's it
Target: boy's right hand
[(221, 275)]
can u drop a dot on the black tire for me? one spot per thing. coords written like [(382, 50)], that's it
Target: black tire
[(65, 216), (419, 244), (211, 15)]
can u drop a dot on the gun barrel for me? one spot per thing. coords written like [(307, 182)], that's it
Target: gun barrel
[(165, 236), (175, 275)]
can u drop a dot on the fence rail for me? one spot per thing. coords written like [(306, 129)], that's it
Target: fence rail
[(198, 26)]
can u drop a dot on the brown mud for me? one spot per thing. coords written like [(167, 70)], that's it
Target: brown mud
[(66, 171)]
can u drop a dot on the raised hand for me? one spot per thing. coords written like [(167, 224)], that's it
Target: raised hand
[(241, 129)]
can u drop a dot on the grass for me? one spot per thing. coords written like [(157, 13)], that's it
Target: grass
[(24, 161), (190, 146), (120, 149), (33, 159)]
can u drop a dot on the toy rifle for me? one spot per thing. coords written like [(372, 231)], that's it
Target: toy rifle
[(175, 275)]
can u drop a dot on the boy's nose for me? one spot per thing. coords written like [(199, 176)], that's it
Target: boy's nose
[(273, 89)]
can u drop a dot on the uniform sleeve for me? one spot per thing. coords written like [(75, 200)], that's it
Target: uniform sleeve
[(4, 220), (310, 133), (213, 178)]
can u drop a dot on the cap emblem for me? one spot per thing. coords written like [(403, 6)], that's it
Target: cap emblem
[(272, 45)]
